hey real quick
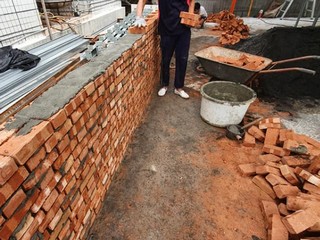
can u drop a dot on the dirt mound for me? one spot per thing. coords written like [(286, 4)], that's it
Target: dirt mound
[(284, 43)]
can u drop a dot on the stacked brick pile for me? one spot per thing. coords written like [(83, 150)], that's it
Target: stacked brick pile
[(233, 28), (54, 175), (289, 172), (244, 61)]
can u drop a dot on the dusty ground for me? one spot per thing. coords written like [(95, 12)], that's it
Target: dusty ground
[(180, 178)]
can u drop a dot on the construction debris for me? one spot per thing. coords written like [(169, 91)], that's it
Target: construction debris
[(288, 172), (233, 28)]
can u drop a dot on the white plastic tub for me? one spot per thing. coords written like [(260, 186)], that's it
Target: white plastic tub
[(225, 103)]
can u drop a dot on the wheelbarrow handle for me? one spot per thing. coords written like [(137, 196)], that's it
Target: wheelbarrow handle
[(251, 123), (305, 70), (296, 59)]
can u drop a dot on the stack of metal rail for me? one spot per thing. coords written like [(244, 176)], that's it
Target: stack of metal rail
[(55, 55)]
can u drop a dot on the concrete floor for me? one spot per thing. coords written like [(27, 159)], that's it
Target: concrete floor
[(180, 178)]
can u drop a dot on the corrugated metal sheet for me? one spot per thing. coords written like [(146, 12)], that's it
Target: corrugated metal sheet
[(55, 55), (242, 7)]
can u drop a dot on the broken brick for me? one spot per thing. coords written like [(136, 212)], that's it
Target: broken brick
[(299, 221)]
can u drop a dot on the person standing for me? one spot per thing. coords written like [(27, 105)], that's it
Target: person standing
[(174, 38)]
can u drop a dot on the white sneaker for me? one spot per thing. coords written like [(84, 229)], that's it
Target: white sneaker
[(162, 91), (181, 93)]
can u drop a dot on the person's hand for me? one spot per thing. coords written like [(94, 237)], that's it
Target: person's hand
[(139, 22)]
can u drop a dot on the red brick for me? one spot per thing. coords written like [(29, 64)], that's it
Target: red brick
[(65, 231), (64, 129), (61, 159), (311, 188), (5, 135), (268, 209), (289, 175), (11, 224), (278, 231), (13, 203), (265, 169), (283, 209), (7, 168), (50, 200), (90, 88), (49, 175), (35, 160), (26, 224), (295, 161), (307, 176), (272, 135), (299, 221), (63, 144), (274, 180), (295, 147), (295, 203), (62, 222), (271, 120), (58, 119), (12, 184), (283, 135), (269, 125), (275, 150), (51, 143), (283, 191), (311, 141), (315, 165), (22, 147), (264, 186), (249, 140), (77, 113), (51, 213), (34, 226), (268, 158)]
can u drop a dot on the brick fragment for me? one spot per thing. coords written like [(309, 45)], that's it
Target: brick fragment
[(264, 186), (289, 175), (278, 231), (299, 221), (256, 133), (249, 140), (283, 191), (7, 168), (307, 176)]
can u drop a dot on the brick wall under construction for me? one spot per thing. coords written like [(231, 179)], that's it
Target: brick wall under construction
[(58, 155)]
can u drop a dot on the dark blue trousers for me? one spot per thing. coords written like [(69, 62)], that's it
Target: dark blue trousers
[(180, 46)]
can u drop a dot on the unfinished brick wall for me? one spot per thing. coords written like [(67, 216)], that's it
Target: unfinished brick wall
[(58, 155)]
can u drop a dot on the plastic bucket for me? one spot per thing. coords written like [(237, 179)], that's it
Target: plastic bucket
[(225, 103)]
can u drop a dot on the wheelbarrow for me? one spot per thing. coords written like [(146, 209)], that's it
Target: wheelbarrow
[(210, 59)]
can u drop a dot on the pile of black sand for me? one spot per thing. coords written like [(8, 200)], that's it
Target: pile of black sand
[(284, 43)]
